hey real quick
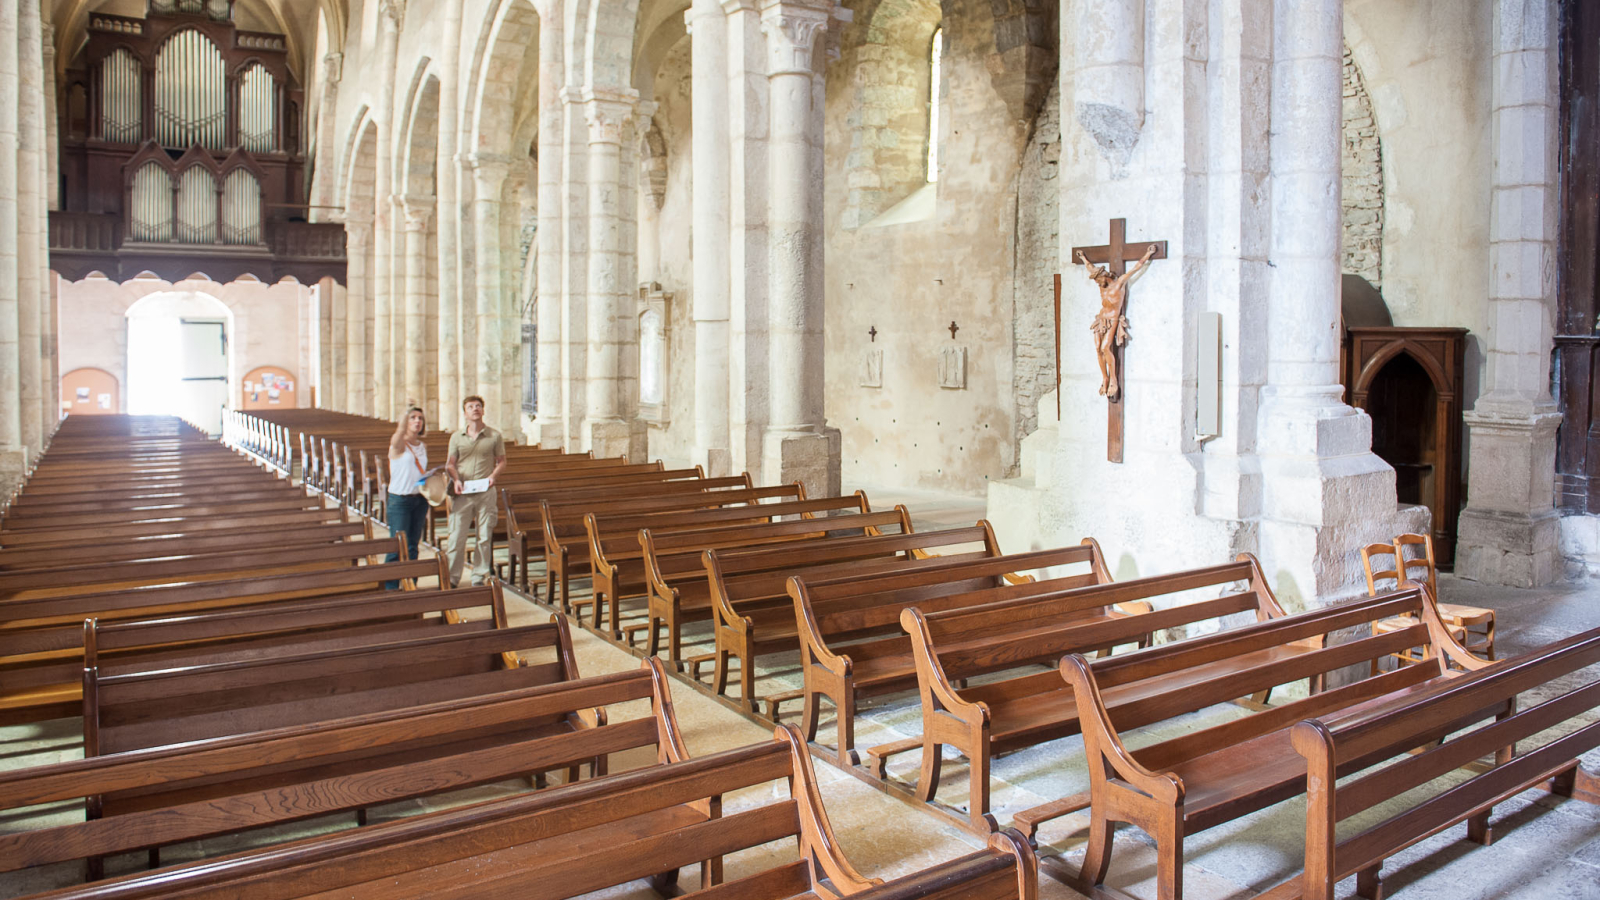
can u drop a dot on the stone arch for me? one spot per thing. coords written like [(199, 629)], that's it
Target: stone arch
[(418, 168), (357, 172), (1361, 251), (889, 112), (603, 56), (507, 69)]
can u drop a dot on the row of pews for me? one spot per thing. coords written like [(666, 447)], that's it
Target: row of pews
[(222, 634), (1353, 707)]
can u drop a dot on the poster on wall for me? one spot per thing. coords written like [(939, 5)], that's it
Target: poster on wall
[(83, 395), (105, 401)]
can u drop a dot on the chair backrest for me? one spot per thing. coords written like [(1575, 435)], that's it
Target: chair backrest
[(1373, 556), (1420, 567)]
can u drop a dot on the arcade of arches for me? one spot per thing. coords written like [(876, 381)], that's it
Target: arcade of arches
[(816, 241)]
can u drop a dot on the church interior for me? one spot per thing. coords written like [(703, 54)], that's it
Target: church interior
[(781, 574)]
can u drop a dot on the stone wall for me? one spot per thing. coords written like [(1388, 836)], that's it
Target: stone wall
[(672, 436), (1363, 180), (1038, 260)]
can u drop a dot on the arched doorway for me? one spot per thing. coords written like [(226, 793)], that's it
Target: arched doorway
[(178, 357)]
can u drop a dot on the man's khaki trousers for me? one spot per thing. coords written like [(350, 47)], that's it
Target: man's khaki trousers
[(472, 514)]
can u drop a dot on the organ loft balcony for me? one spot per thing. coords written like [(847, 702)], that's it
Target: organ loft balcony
[(181, 152)]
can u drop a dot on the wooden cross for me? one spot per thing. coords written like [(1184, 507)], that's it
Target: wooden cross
[(873, 333), (953, 329), (1114, 256)]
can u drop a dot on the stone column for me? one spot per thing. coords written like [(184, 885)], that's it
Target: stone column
[(1108, 85), (549, 428), (1509, 532), (413, 365), (448, 223), (31, 217), (358, 249), (52, 141), (391, 16), (324, 190), (747, 392), (794, 446), (13, 455), (1324, 492), (708, 29), (575, 263), (333, 392), (488, 176), (605, 428)]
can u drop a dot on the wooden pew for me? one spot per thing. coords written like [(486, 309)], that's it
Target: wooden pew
[(569, 841), (74, 554), (144, 799), (132, 709), (1013, 629), (56, 677), (679, 590), (561, 522), (1201, 779), (1537, 745), (616, 554), (752, 614)]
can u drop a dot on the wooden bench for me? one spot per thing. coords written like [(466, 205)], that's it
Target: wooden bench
[(70, 554), (1537, 745), (845, 619), (1200, 779), (561, 523), (754, 616), (144, 799), (679, 589), (616, 554), (1014, 629), (130, 708), (575, 839)]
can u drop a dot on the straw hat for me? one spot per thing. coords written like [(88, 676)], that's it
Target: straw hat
[(436, 489)]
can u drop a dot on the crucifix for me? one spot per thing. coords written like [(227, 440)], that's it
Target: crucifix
[(1110, 327)]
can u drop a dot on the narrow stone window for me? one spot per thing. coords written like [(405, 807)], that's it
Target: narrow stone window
[(935, 64)]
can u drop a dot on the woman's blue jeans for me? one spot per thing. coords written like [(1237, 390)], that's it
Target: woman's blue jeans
[(407, 514)]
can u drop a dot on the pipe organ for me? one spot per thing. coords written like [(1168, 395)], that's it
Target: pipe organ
[(181, 151)]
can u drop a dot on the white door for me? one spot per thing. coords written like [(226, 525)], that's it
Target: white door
[(203, 387)]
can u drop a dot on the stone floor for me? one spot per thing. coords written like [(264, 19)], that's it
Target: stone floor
[(1546, 848)]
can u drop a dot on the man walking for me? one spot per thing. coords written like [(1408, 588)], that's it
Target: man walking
[(476, 456)]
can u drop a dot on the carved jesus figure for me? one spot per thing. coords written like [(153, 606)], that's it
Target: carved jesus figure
[(1110, 325)]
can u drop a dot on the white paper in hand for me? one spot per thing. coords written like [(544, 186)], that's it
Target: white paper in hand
[(475, 486)]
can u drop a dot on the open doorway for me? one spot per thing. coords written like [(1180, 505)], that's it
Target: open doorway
[(178, 357)]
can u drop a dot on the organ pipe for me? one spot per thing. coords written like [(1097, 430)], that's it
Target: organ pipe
[(197, 206), (151, 216), (257, 110), (120, 100), (241, 208), (191, 93)]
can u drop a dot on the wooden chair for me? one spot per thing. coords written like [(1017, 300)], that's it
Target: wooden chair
[(1471, 625)]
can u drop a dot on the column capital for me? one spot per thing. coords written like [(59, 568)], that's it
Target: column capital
[(729, 7), (608, 113), (418, 210), (489, 172), (645, 109), (791, 28), (357, 234), (394, 11), (333, 67)]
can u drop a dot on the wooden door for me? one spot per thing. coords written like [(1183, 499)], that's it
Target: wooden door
[(1577, 352)]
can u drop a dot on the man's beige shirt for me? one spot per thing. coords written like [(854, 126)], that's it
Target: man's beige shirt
[(475, 456)]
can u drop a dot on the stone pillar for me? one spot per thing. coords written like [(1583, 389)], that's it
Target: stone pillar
[(391, 16), (575, 263), (13, 453), (1324, 492), (708, 29), (1108, 86), (52, 142), (606, 429), (333, 392), (448, 223), (31, 216), (324, 190), (747, 227), (1509, 531), (795, 446), (549, 427), (488, 176), (413, 355), (358, 249)]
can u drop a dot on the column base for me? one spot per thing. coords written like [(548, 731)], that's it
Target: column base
[(550, 433), (13, 468), (615, 437), (807, 457), (1324, 495), (1510, 533), (718, 461)]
